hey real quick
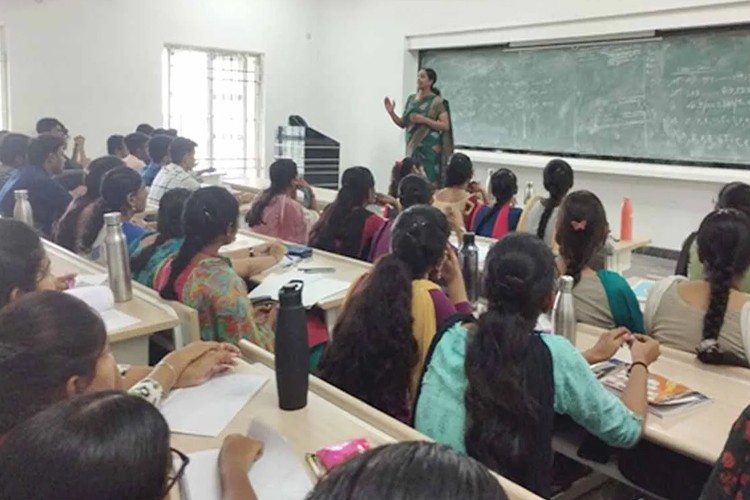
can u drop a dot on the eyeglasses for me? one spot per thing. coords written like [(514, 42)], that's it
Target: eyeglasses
[(180, 462)]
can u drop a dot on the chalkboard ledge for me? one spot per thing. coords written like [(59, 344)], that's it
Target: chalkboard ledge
[(613, 167)]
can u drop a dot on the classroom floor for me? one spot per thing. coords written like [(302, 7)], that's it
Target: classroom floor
[(653, 268)]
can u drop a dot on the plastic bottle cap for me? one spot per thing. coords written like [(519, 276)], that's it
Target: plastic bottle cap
[(291, 293), (468, 238), (566, 283), (112, 218), (21, 193)]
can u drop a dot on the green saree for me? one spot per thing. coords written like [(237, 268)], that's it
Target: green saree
[(431, 147)]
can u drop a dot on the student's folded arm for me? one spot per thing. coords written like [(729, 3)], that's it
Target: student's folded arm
[(581, 396)]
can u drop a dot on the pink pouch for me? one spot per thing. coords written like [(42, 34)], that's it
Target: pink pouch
[(331, 456)]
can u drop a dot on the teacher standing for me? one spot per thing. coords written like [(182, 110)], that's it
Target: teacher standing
[(426, 118)]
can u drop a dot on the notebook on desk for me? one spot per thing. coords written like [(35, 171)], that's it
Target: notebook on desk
[(316, 287), (665, 397), (278, 475), (100, 299)]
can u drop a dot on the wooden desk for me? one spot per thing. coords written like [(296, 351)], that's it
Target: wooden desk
[(347, 269), (702, 432), (331, 416), (622, 257), (255, 185), (130, 344)]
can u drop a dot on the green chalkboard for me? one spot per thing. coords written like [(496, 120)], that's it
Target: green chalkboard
[(681, 98)]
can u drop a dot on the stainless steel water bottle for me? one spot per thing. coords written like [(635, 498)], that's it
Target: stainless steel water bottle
[(118, 261), (564, 312), (22, 209), (292, 349), (469, 259), (528, 192)]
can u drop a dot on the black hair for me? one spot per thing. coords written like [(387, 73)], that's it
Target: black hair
[(459, 171), (145, 128), (432, 75), (14, 150), (400, 170), (735, 195), (501, 417), (66, 233), (45, 339), (158, 147), (504, 185), (209, 213), (724, 250), (180, 148), (105, 445), (21, 258), (412, 470), (41, 147), (582, 230), (160, 131), (339, 229), (116, 186), (172, 132), (414, 190), (47, 125), (115, 143), (282, 174), (373, 350), (558, 179), (136, 141), (169, 226)]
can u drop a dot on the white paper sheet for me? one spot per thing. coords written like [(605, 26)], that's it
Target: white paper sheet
[(115, 320), (278, 475), (207, 409), (99, 298), (316, 287), (83, 280)]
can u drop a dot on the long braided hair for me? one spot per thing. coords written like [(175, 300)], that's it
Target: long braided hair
[(724, 251), (558, 179)]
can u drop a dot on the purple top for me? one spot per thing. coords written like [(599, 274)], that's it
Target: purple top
[(444, 308), (381, 242)]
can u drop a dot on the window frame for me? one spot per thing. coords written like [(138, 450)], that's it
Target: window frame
[(252, 166), (4, 91)]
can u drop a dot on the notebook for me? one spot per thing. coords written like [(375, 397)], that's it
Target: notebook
[(665, 397), (278, 475), (207, 409), (101, 299), (316, 287), (642, 288)]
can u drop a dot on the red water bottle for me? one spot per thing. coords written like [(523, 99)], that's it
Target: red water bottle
[(626, 220)]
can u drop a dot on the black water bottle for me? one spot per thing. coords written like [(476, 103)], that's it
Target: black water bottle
[(292, 351)]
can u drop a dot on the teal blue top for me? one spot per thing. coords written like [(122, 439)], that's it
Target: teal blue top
[(622, 301), (441, 414)]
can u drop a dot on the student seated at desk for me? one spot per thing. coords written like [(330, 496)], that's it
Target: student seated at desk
[(729, 479), (152, 250), (734, 195), (122, 191), (108, 446), (402, 169), (14, 150), (492, 390), (413, 190), (602, 298), (199, 278), (55, 347), (461, 197), (708, 316), (381, 339), (137, 144), (346, 226), (276, 212), (540, 214), (178, 174), (47, 197), (70, 227), (158, 151), (501, 218), (413, 470)]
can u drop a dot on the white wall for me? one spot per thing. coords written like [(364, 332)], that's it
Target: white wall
[(96, 64), (365, 57)]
